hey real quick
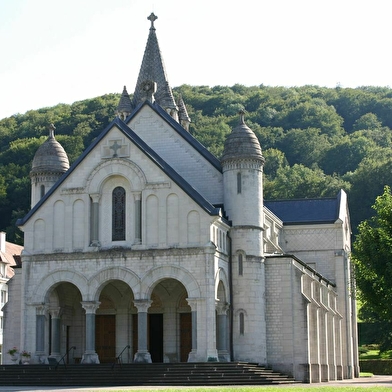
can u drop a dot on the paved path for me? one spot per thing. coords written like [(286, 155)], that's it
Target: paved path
[(366, 382)]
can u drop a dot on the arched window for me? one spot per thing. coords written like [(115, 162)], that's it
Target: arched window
[(118, 214), (42, 191), (240, 265), (239, 187), (242, 323)]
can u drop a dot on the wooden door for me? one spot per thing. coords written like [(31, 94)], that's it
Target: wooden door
[(135, 342), (185, 336), (105, 337), (155, 336)]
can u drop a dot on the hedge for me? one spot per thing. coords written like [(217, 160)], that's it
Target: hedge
[(376, 366)]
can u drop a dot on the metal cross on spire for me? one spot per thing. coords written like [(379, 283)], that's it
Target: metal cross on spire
[(152, 18)]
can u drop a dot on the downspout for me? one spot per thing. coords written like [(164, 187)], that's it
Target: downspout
[(231, 344)]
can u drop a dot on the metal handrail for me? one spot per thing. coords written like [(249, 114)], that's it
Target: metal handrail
[(118, 359), (63, 357)]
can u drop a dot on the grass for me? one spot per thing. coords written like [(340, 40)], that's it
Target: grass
[(322, 387), (372, 351)]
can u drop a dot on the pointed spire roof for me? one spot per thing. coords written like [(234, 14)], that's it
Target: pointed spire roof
[(125, 104), (182, 111), (153, 70)]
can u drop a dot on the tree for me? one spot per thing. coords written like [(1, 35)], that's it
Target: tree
[(373, 267), (300, 181)]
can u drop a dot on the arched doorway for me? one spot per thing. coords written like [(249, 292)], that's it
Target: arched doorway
[(65, 322), (113, 322), (169, 322)]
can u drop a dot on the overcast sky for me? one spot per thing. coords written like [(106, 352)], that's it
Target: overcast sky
[(62, 51)]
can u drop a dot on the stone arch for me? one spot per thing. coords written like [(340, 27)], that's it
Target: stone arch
[(101, 278), (157, 274), (221, 277), (113, 167), (48, 281)]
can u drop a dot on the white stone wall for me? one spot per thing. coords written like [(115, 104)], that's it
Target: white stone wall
[(12, 316), (326, 248), (303, 331), (198, 270), (169, 216), (179, 154)]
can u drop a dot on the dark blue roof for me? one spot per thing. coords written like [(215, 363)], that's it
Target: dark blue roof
[(305, 211), (199, 199)]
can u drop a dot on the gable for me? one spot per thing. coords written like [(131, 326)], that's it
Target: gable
[(179, 149), (158, 208), (102, 149)]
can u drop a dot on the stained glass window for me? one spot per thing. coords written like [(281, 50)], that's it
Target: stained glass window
[(118, 214)]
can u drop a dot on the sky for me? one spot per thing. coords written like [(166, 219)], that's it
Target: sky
[(62, 51)]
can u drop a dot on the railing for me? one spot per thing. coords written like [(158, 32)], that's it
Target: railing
[(62, 358), (118, 359)]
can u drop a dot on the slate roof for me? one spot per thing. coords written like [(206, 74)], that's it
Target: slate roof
[(50, 156), (125, 104), (242, 143), (306, 211), (153, 69), (150, 153)]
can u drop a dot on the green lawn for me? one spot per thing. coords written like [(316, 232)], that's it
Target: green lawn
[(322, 387), (372, 352)]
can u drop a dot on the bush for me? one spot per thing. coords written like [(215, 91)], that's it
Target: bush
[(376, 366)]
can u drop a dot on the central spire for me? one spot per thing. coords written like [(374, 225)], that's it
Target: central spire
[(153, 70), (153, 85)]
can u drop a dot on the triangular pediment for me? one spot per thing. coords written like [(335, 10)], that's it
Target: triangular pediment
[(116, 142)]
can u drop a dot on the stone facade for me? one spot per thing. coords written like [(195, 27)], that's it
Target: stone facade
[(151, 248)]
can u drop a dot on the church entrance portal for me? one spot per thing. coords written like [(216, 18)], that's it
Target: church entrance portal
[(155, 335), (185, 336), (105, 337), (169, 322)]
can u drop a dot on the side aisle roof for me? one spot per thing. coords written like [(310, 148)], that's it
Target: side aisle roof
[(309, 211)]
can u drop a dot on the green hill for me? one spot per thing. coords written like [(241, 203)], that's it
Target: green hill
[(316, 140)]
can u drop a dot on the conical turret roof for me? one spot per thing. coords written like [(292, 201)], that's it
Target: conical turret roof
[(242, 143), (50, 156), (125, 104)]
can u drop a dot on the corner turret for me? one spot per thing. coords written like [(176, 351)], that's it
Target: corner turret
[(50, 162)]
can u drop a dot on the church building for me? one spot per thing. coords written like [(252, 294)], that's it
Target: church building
[(150, 246)]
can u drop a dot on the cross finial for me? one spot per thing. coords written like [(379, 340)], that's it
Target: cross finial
[(152, 18), (242, 115), (52, 128)]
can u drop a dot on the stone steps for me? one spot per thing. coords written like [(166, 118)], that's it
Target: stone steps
[(192, 374)]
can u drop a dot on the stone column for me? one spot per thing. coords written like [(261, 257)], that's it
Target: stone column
[(222, 309), (90, 356), (40, 320), (55, 338), (192, 302), (209, 293), (138, 218), (94, 221), (142, 355)]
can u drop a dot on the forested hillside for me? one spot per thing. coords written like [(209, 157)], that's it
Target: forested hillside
[(316, 140)]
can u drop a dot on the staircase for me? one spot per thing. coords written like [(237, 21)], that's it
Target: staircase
[(189, 374)]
